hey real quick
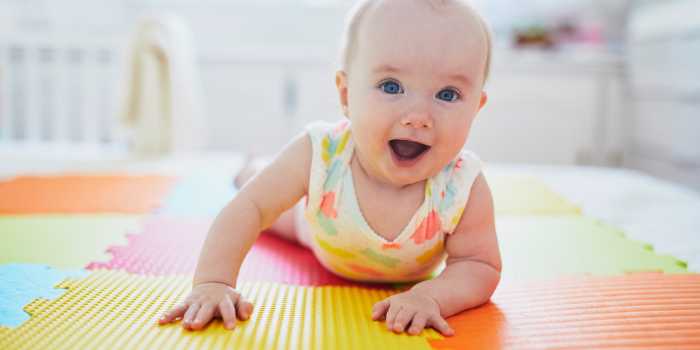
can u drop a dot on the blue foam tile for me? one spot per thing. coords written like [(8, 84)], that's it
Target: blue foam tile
[(22, 283), (200, 194)]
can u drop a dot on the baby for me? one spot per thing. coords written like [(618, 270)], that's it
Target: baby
[(389, 193)]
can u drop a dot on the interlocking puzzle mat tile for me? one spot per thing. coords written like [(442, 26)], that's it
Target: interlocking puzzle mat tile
[(200, 194), (533, 248), (172, 245), (22, 283), (83, 194), (545, 247), (638, 311), (62, 241), (521, 195), (117, 310)]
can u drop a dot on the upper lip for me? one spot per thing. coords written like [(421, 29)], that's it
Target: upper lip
[(410, 139)]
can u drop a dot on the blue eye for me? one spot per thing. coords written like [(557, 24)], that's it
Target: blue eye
[(391, 87), (449, 95)]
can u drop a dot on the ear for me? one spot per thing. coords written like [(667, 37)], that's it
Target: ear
[(484, 98), (341, 83)]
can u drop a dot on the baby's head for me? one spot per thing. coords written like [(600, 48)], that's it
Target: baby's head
[(411, 80), (358, 12)]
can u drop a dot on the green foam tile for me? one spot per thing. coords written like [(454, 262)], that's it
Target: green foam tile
[(62, 241), (544, 247)]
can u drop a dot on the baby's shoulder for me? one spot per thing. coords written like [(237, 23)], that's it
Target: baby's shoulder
[(320, 129), (329, 140), (464, 167)]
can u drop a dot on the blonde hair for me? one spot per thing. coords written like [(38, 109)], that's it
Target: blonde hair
[(358, 11)]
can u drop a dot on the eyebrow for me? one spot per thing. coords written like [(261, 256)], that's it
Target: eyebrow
[(387, 68), (461, 78)]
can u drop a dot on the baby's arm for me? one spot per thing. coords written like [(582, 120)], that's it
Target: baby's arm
[(470, 278), (259, 203)]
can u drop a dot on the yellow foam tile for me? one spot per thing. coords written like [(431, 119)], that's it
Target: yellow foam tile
[(116, 310), (522, 195), (62, 241)]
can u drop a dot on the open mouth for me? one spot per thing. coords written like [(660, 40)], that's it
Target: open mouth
[(406, 150)]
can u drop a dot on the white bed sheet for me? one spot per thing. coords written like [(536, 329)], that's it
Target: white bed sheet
[(645, 208)]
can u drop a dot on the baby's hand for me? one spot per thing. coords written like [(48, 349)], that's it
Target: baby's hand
[(209, 300), (412, 308)]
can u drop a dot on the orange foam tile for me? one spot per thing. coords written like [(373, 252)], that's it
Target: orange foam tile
[(83, 194), (639, 311)]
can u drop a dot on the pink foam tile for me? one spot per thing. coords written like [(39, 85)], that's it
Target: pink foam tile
[(171, 246)]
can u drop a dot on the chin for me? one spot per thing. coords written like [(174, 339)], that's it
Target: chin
[(407, 178)]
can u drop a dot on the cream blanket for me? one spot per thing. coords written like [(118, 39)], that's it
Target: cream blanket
[(162, 105)]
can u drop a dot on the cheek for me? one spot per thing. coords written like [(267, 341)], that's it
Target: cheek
[(454, 134)]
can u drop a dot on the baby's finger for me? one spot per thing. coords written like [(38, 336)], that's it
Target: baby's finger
[(244, 309), (418, 323), (190, 314), (441, 325), (173, 314), (228, 312), (205, 314), (379, 309), (391, 316), (402, 319)]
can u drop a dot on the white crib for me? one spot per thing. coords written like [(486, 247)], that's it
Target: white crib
[(59, 97)]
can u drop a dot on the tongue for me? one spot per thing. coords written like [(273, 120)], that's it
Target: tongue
[(407, 149)]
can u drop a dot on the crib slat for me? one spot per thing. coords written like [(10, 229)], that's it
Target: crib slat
[(107, 109), (32, 94), (89, 83), (5, 100), (18, 93), (48, 91), (60, 100), (74, 79)]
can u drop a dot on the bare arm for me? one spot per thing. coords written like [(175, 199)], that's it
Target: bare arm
[(474, 261), (470, 278), (260, 202)]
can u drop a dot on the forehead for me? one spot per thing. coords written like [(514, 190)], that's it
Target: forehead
[(413, 35)]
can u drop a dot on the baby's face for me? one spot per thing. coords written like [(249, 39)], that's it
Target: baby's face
[(413, 88)]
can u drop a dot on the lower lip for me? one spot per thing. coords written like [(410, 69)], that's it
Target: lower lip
[(403, 162)]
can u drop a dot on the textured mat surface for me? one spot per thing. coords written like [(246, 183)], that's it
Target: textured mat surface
[(640, 311), (533, 248), (172, 245), (546, 247), (22, 283), (62, 241), (117, 310), (168, 246), (514, 195), (83, 194)]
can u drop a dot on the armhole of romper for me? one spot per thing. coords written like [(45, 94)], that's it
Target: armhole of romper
[(316, 132), (464, 177)]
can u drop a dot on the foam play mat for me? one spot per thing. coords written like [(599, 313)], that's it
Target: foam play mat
[(76, 274), (83, 194), (638, 311), (545, 247), (62, 241), (28, 282), (118, 310), (168, 246), (523, 195)]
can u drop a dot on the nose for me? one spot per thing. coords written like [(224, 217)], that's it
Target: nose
[(419, 117)]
